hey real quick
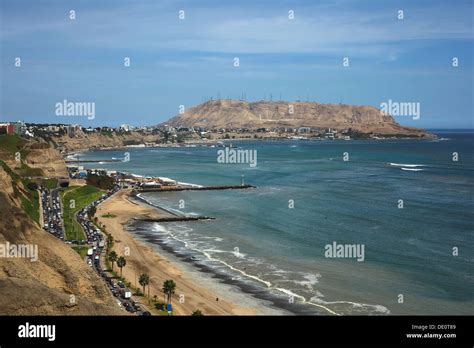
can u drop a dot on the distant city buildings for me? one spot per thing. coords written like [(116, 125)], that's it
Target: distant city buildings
[(7, 128), (18, 128), (168, 135), (126, 127), (72, 130), (304, 130)]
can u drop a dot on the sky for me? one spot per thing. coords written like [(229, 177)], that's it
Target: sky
[(182, 61)]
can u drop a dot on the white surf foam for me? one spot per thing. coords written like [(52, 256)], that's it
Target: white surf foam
[(188, 184), (407, 165), (250, 276), (311, 279), (412, 169), (355, 305)]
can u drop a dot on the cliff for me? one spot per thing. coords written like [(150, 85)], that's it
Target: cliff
[(44, 286), (88, 141)]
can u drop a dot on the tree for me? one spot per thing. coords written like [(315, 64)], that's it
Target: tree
[(144, 280), (169, 286), (121, 262), (112, 258), (110, 241), (92, 211), (197, 313)]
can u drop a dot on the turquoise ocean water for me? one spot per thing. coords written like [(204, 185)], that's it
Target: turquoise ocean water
[(276, 253)]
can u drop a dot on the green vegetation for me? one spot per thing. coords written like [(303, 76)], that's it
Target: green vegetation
[(6, 168), (121, 263), (108, 215), (73, 199), (144, 280), (12, 144), (91, 212), (131, 142), (29, 197), (197, 313), (110, 240), (49, 183), (81, 250), (103, 182), (107, 133), (30, 202), (161, 307), (169, 287), (112, 257), (25, 170)]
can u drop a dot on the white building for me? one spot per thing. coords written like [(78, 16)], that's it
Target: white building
[(126, 127)]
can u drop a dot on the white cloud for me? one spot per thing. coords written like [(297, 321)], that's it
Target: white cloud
[(315, 29)]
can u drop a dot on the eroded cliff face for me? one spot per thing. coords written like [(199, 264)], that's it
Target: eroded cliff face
[(59, 282), (241, 114), (46, 158), (87, 141)]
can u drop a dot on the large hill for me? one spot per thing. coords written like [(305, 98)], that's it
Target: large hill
[(242, 114)]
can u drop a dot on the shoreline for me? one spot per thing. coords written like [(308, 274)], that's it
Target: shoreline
[(145, 259), (225, 284), (245, 139), (249, 290)]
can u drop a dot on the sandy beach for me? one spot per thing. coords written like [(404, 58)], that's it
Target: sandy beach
[(144, 259)]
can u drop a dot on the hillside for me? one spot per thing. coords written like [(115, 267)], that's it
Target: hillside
[(44, 286), (85, 141), (37, 158), (241, 114)]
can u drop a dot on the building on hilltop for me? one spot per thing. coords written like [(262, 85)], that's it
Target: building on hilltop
[(7, 128), (126, 127)]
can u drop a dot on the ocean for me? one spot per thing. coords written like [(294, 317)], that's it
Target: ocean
[(405, 203)]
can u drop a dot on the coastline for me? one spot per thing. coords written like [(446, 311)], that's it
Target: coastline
[(69, 152), (144, 258)]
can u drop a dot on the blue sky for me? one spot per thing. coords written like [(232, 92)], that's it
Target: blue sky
[(176, 61)]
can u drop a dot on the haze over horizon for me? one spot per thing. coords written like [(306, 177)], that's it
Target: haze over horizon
[(176, 61)]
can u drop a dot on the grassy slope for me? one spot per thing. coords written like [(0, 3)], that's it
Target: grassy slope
[(49, 183), (30, 202), (81, 250), (82, 195), (12, 144), (9, 146), (29, 198)]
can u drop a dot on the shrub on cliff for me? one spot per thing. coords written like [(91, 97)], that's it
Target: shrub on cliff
[(103, 182)]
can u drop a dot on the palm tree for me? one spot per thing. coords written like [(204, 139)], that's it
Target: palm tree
[(144, 280), (110, 240), (112, 258), (91, 212), (169, 286), (121, 262)]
